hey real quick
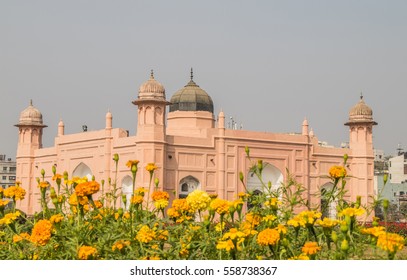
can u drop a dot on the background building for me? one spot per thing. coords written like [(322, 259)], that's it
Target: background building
[(7, 172)]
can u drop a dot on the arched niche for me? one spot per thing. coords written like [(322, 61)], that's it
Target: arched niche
[(328, 206), (270, 173), (127, 190), (187, 185), (82, 170)]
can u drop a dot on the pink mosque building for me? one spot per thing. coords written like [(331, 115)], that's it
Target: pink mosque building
[(193, 150)]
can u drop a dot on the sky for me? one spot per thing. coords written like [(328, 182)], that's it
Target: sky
[(267, 64)]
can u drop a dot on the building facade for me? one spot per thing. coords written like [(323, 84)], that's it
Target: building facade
[(7, 172), (193, 150)]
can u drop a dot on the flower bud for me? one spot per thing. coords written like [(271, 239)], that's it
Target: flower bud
[(260, 165), (38, 180), (344, 228), (345, 245), (334, 236), (385, 178), (42, 172), (358, 201), (385, 204), (134, 168), (247, 150), (65, 175), (116, 157), (120, 212), (345, 158), (54, 169), (156, 182), (93, 178), (241, 177), (124, 198)]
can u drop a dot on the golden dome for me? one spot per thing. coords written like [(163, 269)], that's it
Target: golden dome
[(31, 116), (361, 112), (151, 89)]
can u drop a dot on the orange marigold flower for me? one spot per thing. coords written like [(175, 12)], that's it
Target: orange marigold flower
[(73, 200), (145, 234), (173, 213), (55, 219), (391, 242), (181, 205), (41, 232), (337, 172), (3, 203), (137, 199), (44, 185), (131, 163), (160, 195), (20, 237), (374, 231), (140, 191), (57, 177), (310, 248), (268, 237), (87, 253), (87, 188), (120, 245)]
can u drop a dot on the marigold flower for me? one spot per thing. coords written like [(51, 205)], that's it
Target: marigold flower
[(337, 172), (145, 234), (14, 192), (272, 203), (390, 242), (20, 237), (268, 237), (220, 206), (300, 257), (87, 253), (73, 200), (55, 219), (327, 222), (198, 200), (162, 235), (281, 229), (131, 163), (374, 231), (225, 245), (253, 219), (161, 203), (137, 199), (180, 205), (269, 218), (140, 191), (44, 185), (87, 188), (310, 248), (41, 232), (57, 177), (160, 195), (351, 212), (173, 213), (220, 226), (9, 218), (310, 216), (151, 167), (233, 234), (3, 203), (120, 245)]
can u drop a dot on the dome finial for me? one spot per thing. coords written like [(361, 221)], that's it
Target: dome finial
[(31, 102), (192, 74), (361, 95), (152, 74)]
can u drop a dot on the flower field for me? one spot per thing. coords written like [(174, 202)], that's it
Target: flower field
[(275, 224)]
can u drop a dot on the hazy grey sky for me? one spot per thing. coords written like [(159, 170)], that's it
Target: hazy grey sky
[(268, 64)]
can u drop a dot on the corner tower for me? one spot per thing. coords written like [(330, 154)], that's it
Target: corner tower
[(30, 127), (361, 145)]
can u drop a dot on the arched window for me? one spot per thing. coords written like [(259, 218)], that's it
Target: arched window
[(82, 170), (270, 173), (328, 204), (188, 184), (127, 189)]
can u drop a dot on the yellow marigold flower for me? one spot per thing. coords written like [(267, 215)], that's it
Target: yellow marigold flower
[(242, 195), (337, 172), (162, 235), (225, 245), (137, 199), (140, 191), (160, 204), (233, 234), (221, 206), (151, 167), (44, 185), (9, 218), (269, 218), (180, 205), (272, 202), (198, 200), (1, 190), (300, 257), (374, 231), (3, 203), (73, 200), (310, 248), (172, 213), (145, 234), (253, 219), (351, 212), (14, 192), (20, 237), (126, 215), (55, 219), (160, 195), (41, 232), (310, 216), (120, 245), (247, 228), (131, 163), (327, 222), (57, 177), (87, 188), (390, 242), (87, 253), (281, 229), (268, 237), (296, 222)]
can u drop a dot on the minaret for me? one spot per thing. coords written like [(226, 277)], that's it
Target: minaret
[(61, 128), (305, 127), (361, 158), (151, 104), (30, 127)]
